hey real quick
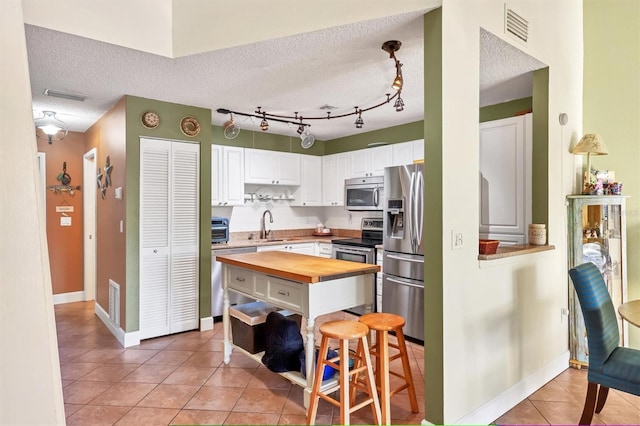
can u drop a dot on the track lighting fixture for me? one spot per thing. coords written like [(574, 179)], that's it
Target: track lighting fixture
[(264, 124), (359, 121), (50, 127), (399, 104), (390, 47)]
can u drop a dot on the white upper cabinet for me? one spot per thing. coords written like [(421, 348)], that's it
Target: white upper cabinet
[(407, 152), (371, 161), (310, 191), (271, 167), (227, 176), (335, 169), (505, 179)]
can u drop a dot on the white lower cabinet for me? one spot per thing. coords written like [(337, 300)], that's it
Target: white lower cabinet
[(325, 250), (302, 248), (169, 236)]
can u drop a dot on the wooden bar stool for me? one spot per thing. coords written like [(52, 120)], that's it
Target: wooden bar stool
[(382, 324), (344, 331)]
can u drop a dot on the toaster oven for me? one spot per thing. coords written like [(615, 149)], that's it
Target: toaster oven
[(219, 230)]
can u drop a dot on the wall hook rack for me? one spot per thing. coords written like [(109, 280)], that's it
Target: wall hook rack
[(63, 188)]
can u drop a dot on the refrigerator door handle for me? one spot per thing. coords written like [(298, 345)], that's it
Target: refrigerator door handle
[(408, 284), (405, 259), (419, 208), (412, 225)]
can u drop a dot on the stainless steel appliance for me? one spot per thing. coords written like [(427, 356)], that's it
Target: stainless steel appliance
[(403, 260), (219, 230), (363, 193), (362, 250), (217, 297)]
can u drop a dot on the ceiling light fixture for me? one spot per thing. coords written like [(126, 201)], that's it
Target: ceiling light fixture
[(50, 127), (359, 121), (264, 124), (390, 47)]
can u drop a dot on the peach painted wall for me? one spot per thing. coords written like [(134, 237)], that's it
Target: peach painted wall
[(65, 242), (108, 136)]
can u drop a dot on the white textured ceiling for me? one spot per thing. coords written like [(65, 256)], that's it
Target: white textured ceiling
[(342, 66)]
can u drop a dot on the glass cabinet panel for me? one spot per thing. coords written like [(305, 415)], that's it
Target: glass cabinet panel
[(597, 233)]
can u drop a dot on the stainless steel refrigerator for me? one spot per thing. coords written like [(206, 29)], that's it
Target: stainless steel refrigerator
[(403, 261)]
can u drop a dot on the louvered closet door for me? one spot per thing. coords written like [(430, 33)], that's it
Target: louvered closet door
[(185, 198), (169, 200), (154, 237)]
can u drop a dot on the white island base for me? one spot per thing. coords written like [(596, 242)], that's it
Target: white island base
[(309, 299)]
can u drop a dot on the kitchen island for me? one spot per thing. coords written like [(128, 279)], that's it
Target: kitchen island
[(307, 285)]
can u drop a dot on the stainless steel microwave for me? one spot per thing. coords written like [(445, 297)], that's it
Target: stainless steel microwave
[(364, 193)]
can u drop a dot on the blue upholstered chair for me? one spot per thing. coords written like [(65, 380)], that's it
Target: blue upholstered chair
[(610, 365)]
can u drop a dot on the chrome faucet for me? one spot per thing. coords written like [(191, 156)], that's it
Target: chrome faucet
[(263, 232)]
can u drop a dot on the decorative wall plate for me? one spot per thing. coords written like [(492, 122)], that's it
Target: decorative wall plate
[(190, 126), (150, 120)]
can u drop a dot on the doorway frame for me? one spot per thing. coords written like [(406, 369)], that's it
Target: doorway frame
[(89, 205)]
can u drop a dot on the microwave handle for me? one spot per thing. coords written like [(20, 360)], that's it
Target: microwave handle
[(376, 196)]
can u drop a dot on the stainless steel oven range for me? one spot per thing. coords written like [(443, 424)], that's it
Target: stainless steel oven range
[(362, 250)]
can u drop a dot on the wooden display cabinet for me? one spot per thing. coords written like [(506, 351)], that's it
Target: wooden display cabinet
[(597, 233)]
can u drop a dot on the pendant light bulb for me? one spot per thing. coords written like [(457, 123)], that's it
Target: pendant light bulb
[(50, 128), (399, 104), (264, 125)]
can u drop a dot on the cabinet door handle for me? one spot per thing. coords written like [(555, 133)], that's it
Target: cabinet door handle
[(155, 251), (283, 293), (241, 279)]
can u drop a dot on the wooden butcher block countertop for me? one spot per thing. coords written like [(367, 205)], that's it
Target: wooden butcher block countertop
[(297, 267)]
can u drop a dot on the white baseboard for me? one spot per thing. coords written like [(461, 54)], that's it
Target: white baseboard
[(74, 296), (125, 339), (206, 323), (508, 399)]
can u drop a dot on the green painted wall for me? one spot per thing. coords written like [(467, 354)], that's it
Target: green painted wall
[(433, 274), (505, 109), (611, 108), (269, 141), (169, 128), (540, 155), (390, 135)]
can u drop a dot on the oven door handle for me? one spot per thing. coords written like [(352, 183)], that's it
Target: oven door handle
[(352, 250)]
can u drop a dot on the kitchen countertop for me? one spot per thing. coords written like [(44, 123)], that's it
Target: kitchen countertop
[(516, 250), (297, 267), (239, 243)]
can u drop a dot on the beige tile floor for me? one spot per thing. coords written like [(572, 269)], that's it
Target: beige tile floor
[(181, 379)]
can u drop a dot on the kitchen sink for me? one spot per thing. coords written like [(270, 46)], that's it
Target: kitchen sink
[(269, 240)]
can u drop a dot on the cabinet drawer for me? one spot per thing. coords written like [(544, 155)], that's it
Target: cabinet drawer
[(325, 249), (240, 279), (285, 293)]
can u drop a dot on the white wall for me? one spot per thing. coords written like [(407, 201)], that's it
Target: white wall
[(30, 384), (503, 332)]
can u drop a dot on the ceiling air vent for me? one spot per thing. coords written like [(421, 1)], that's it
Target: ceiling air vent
[(516, 25), (65, 95)]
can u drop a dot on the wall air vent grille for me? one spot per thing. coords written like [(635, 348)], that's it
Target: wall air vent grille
[(516, 25), (114, 302)]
